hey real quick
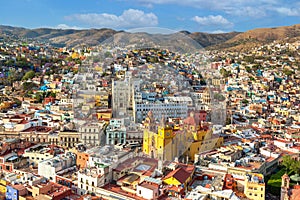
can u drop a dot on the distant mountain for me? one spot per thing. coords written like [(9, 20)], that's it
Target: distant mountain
[(61, 37), (210, 39), (93, 37), (260, 36)]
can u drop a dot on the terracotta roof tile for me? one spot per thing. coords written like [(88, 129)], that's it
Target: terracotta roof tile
[(179, 174)]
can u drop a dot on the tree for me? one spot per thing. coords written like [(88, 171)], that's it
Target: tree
[(219, 97), (295, 166), (249, 59), (107, 54), (252, 78), (29, 75), (51, 94), (245, 101), (39, 97), (287, 162), (248, 69), (9, 63), (225, 73), (11, 76), (287, 72), (29, 86)]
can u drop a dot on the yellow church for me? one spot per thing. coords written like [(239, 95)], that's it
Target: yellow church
[(163, 141)]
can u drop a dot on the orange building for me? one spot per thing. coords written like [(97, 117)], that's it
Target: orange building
[(82, 159)]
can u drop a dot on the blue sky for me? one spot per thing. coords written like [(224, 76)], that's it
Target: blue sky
[(192, 15)]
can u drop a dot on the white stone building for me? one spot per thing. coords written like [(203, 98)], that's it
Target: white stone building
[(169, 108), (51, 167), (91, 178), (92, 133)]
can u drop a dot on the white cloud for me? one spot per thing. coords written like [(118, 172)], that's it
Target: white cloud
[(213, 20), (218, 31), (130, 18), (214, 4), (65, 26), (254, 12), (289, 11), (250, 8)]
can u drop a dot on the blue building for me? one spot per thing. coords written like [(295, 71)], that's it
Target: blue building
[(116, 132), (12, 193)]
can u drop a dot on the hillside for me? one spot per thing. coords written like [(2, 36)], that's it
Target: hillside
[(61, 37), (207, 39), (257, 37), (92, 37)]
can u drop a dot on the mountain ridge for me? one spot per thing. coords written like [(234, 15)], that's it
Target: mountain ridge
[(94, 37)]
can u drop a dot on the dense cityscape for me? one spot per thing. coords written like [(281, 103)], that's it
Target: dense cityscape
[(112, 122), (149, 100)]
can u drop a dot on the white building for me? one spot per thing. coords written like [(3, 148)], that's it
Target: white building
[(283, 144), (169, 108), (107, 155), (101, 162), (24, 177), (180, 100), (91, 178), (92, 133), (149, 188), (40, 152), (51, 167)]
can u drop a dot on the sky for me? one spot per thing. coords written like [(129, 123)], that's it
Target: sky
[(213, 16)]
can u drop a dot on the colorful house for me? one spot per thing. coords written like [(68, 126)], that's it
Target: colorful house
[(178, 178)]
